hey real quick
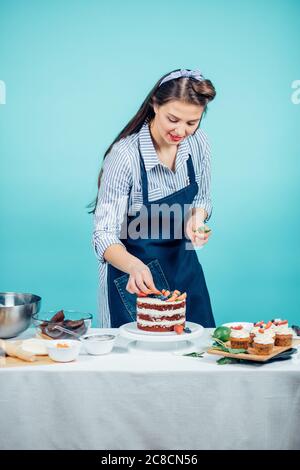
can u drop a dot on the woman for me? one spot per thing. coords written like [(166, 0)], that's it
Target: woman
[(160, 159)]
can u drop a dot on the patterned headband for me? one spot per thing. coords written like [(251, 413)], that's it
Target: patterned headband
[(183, 73)]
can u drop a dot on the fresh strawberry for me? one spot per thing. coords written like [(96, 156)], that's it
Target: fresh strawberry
[(238, 327), (261, 330), (182, 296), (178, 329), (259, 323), (173, 297)]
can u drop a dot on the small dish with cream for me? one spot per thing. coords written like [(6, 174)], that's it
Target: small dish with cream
[(65, 350), (97, 343)]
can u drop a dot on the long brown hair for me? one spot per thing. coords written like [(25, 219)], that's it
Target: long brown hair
[(188, 90)]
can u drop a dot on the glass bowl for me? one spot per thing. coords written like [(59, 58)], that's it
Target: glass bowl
[(77, 322)]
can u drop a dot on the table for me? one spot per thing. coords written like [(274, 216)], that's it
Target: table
[(150, 401)]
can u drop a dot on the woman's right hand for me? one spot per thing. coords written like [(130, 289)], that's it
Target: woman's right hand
[(140, 279)]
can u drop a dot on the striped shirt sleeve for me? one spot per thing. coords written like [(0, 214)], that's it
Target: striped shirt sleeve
[(112, 201), (203, 176)]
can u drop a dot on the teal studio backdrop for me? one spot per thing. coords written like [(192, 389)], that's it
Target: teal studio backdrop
[(73, 73)]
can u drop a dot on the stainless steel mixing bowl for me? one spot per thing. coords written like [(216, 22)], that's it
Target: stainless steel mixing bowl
[(16, 310)]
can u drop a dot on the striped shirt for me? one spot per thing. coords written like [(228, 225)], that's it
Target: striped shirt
[(121, 191)]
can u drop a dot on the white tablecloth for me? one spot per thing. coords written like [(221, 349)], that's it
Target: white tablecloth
[(150, 401)]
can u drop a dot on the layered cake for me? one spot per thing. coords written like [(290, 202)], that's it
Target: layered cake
[(161, 312)]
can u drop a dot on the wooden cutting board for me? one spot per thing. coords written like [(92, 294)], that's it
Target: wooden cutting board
[(251, 356), (15, 362), (9, 361)]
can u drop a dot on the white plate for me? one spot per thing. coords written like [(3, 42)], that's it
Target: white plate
[(131, 331), (245, 325)]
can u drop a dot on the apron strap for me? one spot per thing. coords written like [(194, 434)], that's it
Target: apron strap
[(143, 178), (191, 170)]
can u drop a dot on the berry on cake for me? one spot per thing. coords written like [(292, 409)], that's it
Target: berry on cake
[(161, 312)]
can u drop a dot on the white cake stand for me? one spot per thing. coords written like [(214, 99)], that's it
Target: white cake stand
[(151, 342)]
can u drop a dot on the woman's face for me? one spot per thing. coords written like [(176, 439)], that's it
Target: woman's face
[(174, 121)]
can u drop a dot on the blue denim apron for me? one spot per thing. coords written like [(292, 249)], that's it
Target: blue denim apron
[(171, 264)]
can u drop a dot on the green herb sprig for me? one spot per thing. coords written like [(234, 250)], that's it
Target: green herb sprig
[(195, 354), (228, 360), (221, 346)]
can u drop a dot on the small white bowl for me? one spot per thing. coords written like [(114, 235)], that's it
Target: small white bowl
[(63, 354), (97, 343)]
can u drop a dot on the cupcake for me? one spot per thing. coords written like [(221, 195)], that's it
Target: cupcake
[(269, 329), (284, 335), (263, 344), (239, 337), (255, 329), (273, 326)]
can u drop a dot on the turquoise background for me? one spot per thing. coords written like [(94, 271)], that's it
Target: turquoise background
[(75, 74)]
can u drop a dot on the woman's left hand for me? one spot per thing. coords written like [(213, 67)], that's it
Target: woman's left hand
[(195, 231)]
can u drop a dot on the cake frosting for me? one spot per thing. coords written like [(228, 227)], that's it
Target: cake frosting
[(254, 330), (269, 331), (161, 312), (268, 328), (263, 339), (239, 333), (283, 330)]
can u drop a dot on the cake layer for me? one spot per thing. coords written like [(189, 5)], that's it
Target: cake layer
[(160, 313), (166, 323), (156, 328), (161, 307), (156, 319), (156, 301)]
